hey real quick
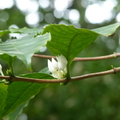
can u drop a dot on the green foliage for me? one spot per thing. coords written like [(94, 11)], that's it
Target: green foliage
[(107, 30), (24, 48), (20, 92), (91, 99), (3, 95), (61, 39), (68, 40), (21, 30), (14, 115), (9, 60)]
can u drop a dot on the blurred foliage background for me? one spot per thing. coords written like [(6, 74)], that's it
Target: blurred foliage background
[(94, 98)]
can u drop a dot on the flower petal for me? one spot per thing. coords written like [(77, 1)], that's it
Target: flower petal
[(62, 59), (54, 63), (50, 66), (1, 72), (62, 62)]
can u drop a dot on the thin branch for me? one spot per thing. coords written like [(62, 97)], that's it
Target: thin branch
[(43, 56), (114, 70), (38, 80), (85, 59), (98, 58), (5, 77)]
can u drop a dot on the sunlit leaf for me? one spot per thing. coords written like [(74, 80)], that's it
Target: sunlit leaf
[(25, 47), (21, 30), (107, 30)]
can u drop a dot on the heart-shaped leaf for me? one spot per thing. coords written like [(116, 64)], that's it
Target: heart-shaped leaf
[(68, 40)]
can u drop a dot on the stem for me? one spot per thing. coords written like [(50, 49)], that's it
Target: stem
[(43, 56), (5, 77), (11, 72), (68, 75), (85, 59), (114, 70), (98, 58), (37, 80)]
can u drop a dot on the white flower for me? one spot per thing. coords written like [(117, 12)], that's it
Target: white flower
[(1, 70), (58, 68)]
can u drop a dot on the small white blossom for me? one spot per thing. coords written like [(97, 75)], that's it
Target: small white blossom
[(58, 68), (1, 72)]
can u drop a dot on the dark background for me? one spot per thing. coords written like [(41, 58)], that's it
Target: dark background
[(91, 99)]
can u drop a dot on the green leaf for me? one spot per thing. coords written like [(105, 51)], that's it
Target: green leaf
[(2, 32), (3, 95), (13, 116), (37, 75), (25, 47), (68, 40), (24, 30), (107, 30), (45, 70), (7, 58), (20, 92)]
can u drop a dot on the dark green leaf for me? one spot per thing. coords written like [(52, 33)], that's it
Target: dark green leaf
[(7, 58), (2, 32), (20, 92), (68, 40), (3, 95)]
